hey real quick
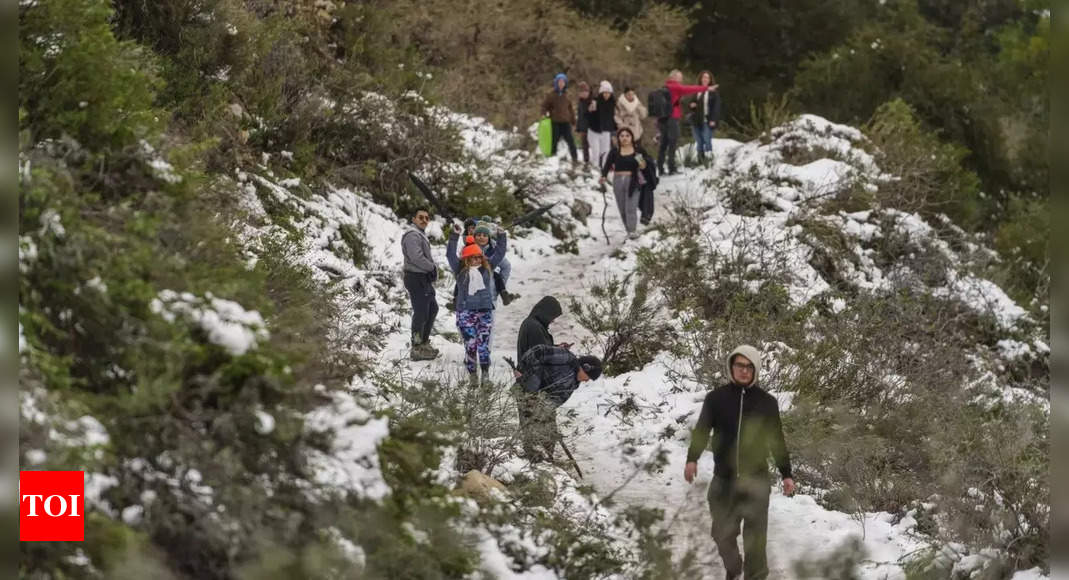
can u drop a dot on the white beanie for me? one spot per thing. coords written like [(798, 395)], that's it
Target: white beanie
[(605, 87)]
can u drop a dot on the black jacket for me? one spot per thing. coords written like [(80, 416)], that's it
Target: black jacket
[(761, 433), (603, 118), (535, 328), (629, 164), (582, 121), (550, 370)]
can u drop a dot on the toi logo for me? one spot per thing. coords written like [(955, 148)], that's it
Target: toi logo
[(51, 506)]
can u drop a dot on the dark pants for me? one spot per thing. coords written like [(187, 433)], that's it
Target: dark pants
[(538, 424), (669, 129), (735, 502), (424, 303), (563, 130), (645, 204), (586, 146)]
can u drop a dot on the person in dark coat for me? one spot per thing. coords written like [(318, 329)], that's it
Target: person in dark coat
[(558, 107), (535, 328), (704, 115), (601, 123), (547, 377), (582, 120), (745, 423)]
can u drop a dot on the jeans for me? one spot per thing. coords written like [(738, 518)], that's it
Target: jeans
[(563, 131), (424, 303), (669, 129), (703, 137)]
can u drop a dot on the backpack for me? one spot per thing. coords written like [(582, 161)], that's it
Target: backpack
[(659, 103)]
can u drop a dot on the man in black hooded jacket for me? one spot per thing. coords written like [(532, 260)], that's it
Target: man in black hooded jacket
[(745, 424), (535, 328)]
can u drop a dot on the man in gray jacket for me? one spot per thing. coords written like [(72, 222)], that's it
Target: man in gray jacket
[(420, 274)]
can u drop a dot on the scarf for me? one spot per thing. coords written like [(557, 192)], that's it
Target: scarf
[(628, 106), (475, 281)]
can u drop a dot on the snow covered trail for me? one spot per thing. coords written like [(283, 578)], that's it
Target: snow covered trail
[(797, 526), (612, 449)]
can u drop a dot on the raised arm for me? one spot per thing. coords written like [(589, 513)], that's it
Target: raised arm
[(451, 253), (501, 246)]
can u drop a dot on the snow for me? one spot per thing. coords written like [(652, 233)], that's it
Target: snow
[(615, 450), (51, 223), (226, 322), (265, 422), (353, 466)]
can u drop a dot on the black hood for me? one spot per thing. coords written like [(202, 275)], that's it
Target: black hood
[(547, 310)]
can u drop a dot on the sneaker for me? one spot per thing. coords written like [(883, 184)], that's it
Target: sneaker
[(632, 235)]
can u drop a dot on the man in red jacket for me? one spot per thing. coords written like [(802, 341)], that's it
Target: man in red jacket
[(669, 127)]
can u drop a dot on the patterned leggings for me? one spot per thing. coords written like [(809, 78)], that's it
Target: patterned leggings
[(475, 328)]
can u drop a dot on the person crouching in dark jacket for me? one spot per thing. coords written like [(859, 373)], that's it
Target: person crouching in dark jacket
[(548, 375), (535, 328)]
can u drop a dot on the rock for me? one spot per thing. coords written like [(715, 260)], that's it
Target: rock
[(581, 210), (477, 485)]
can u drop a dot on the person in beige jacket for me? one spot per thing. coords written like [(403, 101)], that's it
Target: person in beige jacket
[(630, 112)]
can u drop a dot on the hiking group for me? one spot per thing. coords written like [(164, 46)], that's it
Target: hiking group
[(739, 419), (611, 132)]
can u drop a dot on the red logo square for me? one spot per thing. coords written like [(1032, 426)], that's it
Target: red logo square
[(51, 506)]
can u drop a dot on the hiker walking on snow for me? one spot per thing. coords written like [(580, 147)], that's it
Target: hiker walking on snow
[(558, 107), (476, 294), (704, 114), (420, 272), (535, 328), (582, 120), (628, 164), (630, 112), (745, 423), (668, 115), (602, 123), (548, 375)]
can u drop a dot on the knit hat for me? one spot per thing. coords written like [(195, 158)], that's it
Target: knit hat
[(470, 251), (470, 223), (605, 87), (483, 228), (591, 365)]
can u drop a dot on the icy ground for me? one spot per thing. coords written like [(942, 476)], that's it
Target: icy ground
[(611, 448)]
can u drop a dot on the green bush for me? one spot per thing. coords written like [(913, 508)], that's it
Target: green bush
[(928, 174)]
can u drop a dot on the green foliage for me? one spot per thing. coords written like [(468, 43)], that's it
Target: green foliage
[(841, 564), (763, 116), (1023, 239), (929, 176), (76, 79), (625, 319)]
